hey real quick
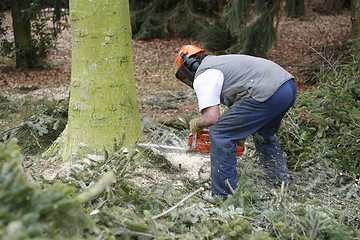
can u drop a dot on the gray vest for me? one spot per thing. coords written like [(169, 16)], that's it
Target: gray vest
[(245, 76)]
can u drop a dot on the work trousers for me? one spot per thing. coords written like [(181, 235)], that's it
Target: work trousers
[(244, 118)]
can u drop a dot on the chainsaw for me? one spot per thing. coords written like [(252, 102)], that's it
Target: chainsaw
[(198, 143)]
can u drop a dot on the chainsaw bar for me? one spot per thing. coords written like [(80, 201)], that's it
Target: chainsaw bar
[(165, 147), (198, 143)]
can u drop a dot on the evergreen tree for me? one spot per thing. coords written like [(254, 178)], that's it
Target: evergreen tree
[(33, 38), (253, 25), (166, 18), (30, 212), (295, 8), (238, 26)]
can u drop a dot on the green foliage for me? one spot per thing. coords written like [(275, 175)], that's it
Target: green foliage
[(41, 129), (42, 43), (253, 25), (217, 37), (313, 223), (43, 36), (248, 38), (127, 209), (86, 173), (254, 211), (10, 151), (295, 8), (25, 89), (165, 18), (324, 123), (28, 212), (238, 26)]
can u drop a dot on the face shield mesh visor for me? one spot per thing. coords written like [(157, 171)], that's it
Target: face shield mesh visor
[(187, 69), (184, 75)]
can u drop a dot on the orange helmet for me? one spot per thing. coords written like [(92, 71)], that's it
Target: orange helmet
[(189, 50), (186, 66)]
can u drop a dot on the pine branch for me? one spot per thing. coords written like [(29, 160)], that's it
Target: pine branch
[(178, 204), (105, 182)]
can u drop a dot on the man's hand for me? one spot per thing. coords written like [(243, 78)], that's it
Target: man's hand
[(241, 142), (193, 125), (209, 116)]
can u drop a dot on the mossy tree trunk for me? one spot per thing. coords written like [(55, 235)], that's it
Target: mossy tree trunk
[(22, 33), (355, 6), (103, 103)]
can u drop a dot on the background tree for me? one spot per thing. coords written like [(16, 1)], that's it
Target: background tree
[(103, 103), (252, 25), (295, 8), (166, 18), (355, 17), (22, 33), (224, 26), (33, 38), (236, 26), (355, 5), (334, 6)]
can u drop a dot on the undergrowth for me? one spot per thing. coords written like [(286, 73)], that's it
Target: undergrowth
[(29, 212), (324, 124), (40, 127), (139, 206)]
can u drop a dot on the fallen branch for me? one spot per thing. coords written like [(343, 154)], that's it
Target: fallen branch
[(229, 185), (104, 183), (178, 204), (141, 234)]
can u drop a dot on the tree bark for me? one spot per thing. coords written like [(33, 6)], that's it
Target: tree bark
[(22, 34), (103, 103), (295, 8), (355, 18)]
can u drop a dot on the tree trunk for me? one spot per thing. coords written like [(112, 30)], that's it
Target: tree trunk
[(334, 5), (295, 8), (103, 103), (22, 34), (355, 18)]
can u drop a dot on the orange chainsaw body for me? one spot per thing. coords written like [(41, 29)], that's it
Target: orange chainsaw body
[(200, 143)]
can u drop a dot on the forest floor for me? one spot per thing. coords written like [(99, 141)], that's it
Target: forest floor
[(303, 44)]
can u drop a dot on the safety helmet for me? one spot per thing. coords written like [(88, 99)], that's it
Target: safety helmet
[(186, 65)]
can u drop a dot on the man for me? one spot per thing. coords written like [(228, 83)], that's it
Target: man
[(256, 91)]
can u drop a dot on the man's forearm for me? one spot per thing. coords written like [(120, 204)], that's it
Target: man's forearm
[(209, 116)]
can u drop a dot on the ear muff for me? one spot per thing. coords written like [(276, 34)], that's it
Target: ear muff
[(189, 50), (187, 69), (190, 63)]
